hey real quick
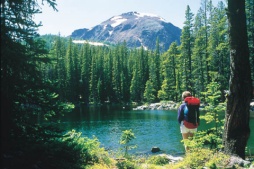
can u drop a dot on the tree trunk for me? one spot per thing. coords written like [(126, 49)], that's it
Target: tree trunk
[(237, 129)]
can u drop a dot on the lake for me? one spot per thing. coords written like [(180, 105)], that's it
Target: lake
[(152, 128)]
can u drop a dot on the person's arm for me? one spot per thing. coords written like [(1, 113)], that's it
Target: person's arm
[(180, 115)]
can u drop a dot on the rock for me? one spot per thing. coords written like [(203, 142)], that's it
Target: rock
[(252, 109), (155, 149), (170, 105), (171, 158), (234, 160)]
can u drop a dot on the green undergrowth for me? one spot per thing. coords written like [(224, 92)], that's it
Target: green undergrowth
[(200, 158)]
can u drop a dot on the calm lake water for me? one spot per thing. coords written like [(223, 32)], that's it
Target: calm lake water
[(152, 128)]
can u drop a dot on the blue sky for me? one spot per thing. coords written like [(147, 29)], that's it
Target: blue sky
[(76, 14)]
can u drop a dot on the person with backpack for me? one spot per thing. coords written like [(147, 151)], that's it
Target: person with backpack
[(188, 115)]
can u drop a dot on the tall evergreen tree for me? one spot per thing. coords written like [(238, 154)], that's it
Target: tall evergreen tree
[(117, 68), (149, 93), (85, 59), (125, 78), (59, 50), (186, 50), (93, 83), (219, 48), (139, 75), (169, 68), (250, 32), (23, 93), (70, 67), (236, 128), (206, 8), (199, 58)]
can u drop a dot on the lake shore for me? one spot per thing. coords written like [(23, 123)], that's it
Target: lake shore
[(170, 105)]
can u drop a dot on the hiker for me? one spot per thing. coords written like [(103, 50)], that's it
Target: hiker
[(188, 115)]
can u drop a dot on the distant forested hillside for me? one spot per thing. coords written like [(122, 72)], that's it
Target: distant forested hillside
[(94, 74)]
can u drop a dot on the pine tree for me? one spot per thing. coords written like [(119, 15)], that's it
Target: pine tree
[(186, 50), (85, 59), (237, 129), (149, 93), (69, 66), (250, 32), (169, 69), (219, 48), (199, 58)]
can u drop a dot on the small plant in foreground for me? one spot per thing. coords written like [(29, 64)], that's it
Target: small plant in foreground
[(126, 138)]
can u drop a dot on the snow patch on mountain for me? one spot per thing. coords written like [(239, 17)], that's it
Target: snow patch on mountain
[(90, 43), (150, 15), (117, 21)]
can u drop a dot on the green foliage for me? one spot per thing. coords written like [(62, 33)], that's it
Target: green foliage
[(149, 94), (126, 137), (158, 160), (46, 147), (126, 164), (89, 150), (37, 82), (200, 158), (249, 7), (142, 76)]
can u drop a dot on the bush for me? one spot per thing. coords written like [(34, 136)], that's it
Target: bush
[(87, 150), (158, 160), (200, 158), (126, 164), (41, 147)]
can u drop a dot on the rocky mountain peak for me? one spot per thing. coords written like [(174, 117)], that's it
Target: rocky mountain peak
[(136, 29)]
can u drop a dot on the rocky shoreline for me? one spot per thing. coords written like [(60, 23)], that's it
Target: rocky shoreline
[(166, 105), (170, 105)]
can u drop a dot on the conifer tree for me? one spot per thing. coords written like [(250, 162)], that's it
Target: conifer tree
[(107, 83), (250, 32), (149, 93), (69, 66), (237, 129), (169, 68), (85, 59), (186, 50), (219, 48), (199, 52), (93, 83), (206, 8)]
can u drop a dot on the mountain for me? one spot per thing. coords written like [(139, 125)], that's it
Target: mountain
[(137, 29)]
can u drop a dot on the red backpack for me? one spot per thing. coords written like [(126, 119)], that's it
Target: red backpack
[(191, 112), (192, 101)]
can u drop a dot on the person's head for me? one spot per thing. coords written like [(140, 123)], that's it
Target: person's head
[(186, 94)]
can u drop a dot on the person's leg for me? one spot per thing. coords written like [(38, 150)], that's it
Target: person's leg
[(186, 136), (191, 134)]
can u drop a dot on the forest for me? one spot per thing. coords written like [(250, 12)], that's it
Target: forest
[(49, 75), (117, 74)]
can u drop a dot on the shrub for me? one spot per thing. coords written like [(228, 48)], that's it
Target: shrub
[(158, 160), (87, 150), (126, 164), (200, 158)]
